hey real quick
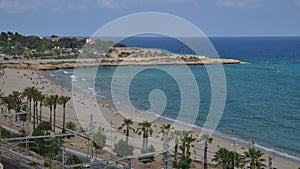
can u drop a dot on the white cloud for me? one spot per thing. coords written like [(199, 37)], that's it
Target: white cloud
[(15, 6), (107, 3), (238, 3)]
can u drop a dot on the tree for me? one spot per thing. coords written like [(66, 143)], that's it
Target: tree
[(8, 101), (63, 100), (145, 128), (35, 97), (147, 159), (73, 160), (1, 97), (165, 130), (28, 92), (207, 140), (189, 140), (222, 158), (54, 103), (177, 136), (255, 159), (240, 160), (183, 144), (99, 142), (126, 127), (49, 103), (122, 148), (45, 126), (184, 163), (16, 98), (41, 99), (71, 125)]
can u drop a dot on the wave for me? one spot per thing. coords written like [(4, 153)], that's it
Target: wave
[(66, 72)]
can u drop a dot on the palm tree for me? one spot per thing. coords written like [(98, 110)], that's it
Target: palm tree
[(240, 160), (9, 103), (145, 128), (177, 136), (35, 97), (16, 97), (183, 140), (207, 139), (29, 94), (1, 97), (222, 158), (55, 101), (189, 140), (49, 103), (41, 99), (126, 127), (63, 100), (165, 130), (255, 158)]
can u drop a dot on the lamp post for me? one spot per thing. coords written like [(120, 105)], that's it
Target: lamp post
[(234, 145), (111, 137)]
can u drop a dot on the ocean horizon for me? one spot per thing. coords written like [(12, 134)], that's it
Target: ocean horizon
[(263, 97)]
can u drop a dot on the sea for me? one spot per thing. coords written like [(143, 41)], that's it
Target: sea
[(262, 96)]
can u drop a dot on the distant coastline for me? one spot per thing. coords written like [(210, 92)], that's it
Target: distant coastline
[(53, 64)]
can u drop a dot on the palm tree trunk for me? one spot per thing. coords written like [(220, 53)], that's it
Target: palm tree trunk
[(183, 148), (146, 142), (54, 117), (187, 151), (127, 134), (29, 110), (33, 115), (64, 117), (41, 107), (50, 115), (205, 156), (176, 150), (36, 112)]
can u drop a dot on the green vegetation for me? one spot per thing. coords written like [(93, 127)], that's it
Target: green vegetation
[(148, 159), (74, 160), (15, 44), (48, 164), (99, 142), (226, 159), (71, 125), (254, 157), (145, 129), (126, 127), (122, 148), (63, 100), (207, 140), (184, 163)]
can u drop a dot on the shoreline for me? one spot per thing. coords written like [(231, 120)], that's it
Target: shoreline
[(242, 141), (278, 161)]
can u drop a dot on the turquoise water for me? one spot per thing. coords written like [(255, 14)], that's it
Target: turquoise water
[(262, 97)]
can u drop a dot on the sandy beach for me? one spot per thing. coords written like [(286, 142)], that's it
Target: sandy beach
[(83, 104)]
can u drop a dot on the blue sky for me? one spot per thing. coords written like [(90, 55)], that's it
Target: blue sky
[(213, 17)]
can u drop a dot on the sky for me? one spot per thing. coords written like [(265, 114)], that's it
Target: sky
[(213, 17)]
